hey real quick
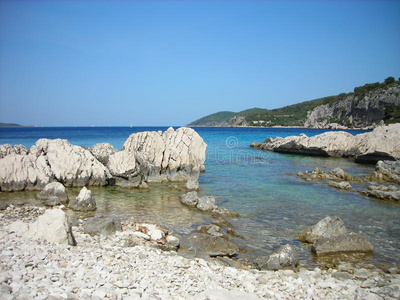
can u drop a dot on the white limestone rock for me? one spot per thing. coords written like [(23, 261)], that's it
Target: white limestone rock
[(54, 189), (71, 165), (173, 155), (23, 172), (84, 202), (52, 226), (7, 149), (102, 152)]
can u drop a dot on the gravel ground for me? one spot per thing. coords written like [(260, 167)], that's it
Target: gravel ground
[(100, 268)]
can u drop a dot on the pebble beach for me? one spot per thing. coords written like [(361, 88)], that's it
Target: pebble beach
[(100, 267)]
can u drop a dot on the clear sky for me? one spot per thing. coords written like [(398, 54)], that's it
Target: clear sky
[(170, 62)]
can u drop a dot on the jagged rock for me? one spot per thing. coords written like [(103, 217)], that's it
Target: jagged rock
[(391, 193), (354, 110), (128, 166), (53, 227), (192, 185), (55, 192), (343, 185), (328, 227), (211, 245), (69, 164), (7, 149), (336, 174), (386, 171), (102, 152), (23, 172), (190, 199), (84, 202), (212, 229), (283, 258), (206, 203), (352, 242), (173, 155), (105, 226), (380, 144)]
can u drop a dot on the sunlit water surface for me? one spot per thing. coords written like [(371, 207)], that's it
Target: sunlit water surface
[(275, 205)]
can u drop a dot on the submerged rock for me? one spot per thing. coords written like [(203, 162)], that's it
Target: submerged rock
[(192, 185), (190, 199), (84, 202), (391, 193), (343, 185), (206, 203), (211, 245)]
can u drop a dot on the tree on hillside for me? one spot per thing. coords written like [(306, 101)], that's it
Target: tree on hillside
[(389, 80)]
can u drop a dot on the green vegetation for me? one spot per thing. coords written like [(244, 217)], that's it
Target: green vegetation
[(214, 119), (392, 113), (296, 114)]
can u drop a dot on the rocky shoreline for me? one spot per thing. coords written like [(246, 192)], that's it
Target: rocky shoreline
[(103, 267), (380, 144)]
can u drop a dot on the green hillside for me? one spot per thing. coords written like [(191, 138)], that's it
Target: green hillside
[(291, 115), (214, 119)]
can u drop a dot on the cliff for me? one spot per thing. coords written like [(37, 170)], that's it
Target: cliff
[(368, 104), (356, 111)]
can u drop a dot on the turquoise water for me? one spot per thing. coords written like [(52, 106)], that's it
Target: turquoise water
[(275, 206)]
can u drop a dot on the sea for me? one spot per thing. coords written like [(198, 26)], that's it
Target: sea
[(273, 203)]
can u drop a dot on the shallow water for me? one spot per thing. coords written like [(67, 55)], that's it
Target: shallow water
[(275, 206)]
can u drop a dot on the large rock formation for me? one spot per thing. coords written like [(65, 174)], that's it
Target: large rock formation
[(380, 144), (146, 157), (173, 155), (354, 111)]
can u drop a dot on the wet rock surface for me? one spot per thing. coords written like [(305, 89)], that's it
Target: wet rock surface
[(84, 202)]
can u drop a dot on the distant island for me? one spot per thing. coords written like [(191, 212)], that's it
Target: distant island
[(13, 125), (367, 106)]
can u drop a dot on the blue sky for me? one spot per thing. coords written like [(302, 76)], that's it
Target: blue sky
[(170, 62)]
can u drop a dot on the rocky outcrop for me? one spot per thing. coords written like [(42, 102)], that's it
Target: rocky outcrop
[(386, 171), (54, 192), (380, 144), (69, 164), (354, 111), (7, 149), (84, 202), (23, 172), (175, 155), (330, 236), (390, 193), (146, 157)]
